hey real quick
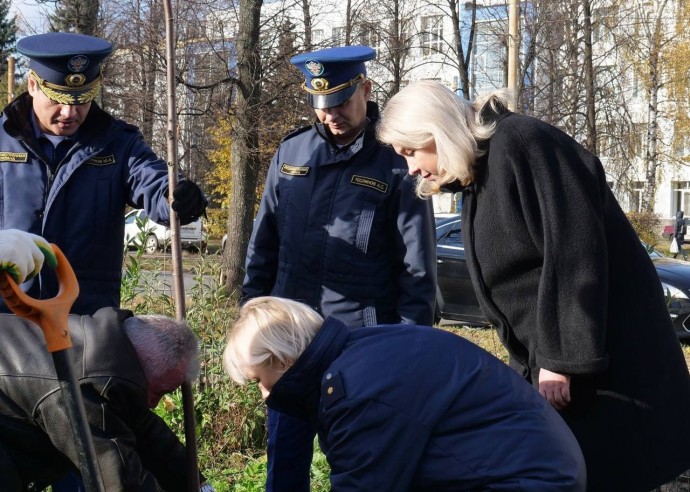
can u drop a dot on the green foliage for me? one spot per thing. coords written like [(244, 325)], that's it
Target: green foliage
[(252, 476), (8, 32), (230, 420), (131, 275), (216, 222), (647, 225), (80, 16)]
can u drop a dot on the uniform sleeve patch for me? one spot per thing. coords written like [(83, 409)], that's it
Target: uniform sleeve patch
[(332, 389), (372, 183), (104, 160), (14, 156), (291, 170)]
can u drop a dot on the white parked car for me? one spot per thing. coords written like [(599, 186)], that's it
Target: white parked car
[(192, 236)]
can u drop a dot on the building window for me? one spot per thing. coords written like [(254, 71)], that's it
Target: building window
[(370, 35), (338, 35), (681, 197), (636, 196), (432, 34), (490, 67), (317, 36)]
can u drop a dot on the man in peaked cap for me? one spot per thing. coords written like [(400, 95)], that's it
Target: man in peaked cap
[(338, 230), (65, 67), (69, 169)]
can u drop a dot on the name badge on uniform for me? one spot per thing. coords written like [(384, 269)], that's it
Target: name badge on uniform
[(98, 160), (14, 156), (372, 183), (291, 170)]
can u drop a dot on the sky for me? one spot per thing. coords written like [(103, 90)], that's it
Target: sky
[(31, 18)]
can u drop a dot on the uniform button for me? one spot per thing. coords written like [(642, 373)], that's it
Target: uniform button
[(329, 375), (330, 390)]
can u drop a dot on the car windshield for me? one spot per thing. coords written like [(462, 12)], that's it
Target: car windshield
[(652, 252)]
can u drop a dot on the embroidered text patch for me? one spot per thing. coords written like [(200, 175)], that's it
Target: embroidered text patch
[(294, 170), (14, 156), (370, 183), (105, 160)]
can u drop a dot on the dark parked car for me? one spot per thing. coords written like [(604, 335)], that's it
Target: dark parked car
[(675, 280), (455, 298)]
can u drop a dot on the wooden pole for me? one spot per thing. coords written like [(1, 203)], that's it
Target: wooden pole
[(513, 44), (10, 79), (176, 249)]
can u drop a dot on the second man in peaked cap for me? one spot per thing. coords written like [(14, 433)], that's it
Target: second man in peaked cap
[(338, 229)]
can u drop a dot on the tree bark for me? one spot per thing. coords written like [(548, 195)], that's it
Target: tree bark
[(245, 157), (590, 119)]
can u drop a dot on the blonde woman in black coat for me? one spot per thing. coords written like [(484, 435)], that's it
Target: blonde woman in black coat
[(561, 274)]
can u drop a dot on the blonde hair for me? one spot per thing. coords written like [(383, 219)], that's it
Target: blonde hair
[(427, 112), (269, 329)]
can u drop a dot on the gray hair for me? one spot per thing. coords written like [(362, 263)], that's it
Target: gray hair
[(163, 344), (269, 329), (427, 112)]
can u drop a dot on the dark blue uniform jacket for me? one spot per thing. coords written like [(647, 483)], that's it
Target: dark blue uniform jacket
[(79, 206), (342, 231), (410, 408)]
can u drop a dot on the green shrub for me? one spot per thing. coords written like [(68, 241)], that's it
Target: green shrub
[(647, 225)]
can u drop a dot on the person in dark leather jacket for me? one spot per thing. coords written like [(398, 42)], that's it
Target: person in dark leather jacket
[(403, 407), (125, 364)]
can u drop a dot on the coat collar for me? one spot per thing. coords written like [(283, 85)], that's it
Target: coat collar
[(297, 392)]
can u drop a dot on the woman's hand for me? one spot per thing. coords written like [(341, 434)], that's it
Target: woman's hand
[(555, 388)]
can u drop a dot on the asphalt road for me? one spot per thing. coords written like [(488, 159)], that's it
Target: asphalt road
[(162, 282)]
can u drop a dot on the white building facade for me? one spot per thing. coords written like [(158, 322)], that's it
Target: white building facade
[(421, 39)]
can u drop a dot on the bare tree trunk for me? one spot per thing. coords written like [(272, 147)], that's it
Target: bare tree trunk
[(398, 49), (306, 12), (572, 53), (245, 158), (655, 83), (463, 60), (651, 158), (590, 125), (348, 23)]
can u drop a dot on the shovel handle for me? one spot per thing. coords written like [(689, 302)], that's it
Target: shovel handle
[(49, 314)]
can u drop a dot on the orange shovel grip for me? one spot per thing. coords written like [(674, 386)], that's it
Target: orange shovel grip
[(49, 314)]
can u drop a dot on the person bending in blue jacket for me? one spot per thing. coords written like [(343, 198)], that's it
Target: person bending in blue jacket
[(403, 407)]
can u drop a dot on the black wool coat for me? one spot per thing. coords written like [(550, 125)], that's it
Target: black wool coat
[(562, 275)]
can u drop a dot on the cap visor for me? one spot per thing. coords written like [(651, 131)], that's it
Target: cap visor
[(318, 101)]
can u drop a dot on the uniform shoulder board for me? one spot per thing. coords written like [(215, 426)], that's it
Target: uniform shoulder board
[(295, 132), (332, 389)]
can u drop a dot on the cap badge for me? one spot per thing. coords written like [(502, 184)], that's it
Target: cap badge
[(78, 63), (75, 79), (313, 67), (319, 84)]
